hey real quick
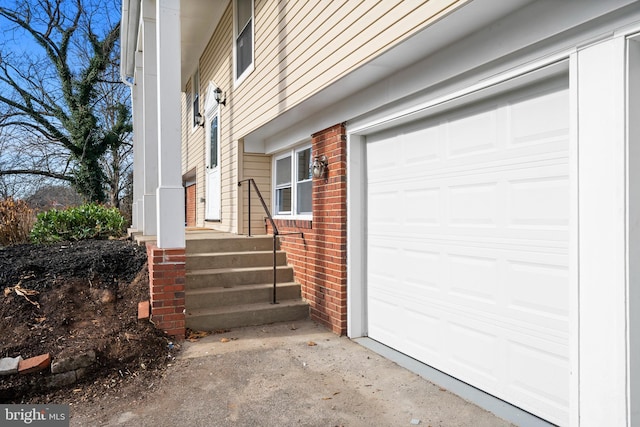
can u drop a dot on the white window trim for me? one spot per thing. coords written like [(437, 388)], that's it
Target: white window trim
[(214, 113), (237, 80), (294, 172), (195, 76), (211, 109)]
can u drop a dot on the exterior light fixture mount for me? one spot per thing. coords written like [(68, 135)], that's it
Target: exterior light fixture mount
[(319, 166), (199, 120), (219, 96)]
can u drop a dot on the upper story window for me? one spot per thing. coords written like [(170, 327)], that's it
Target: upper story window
[(293, 182), (195, 100), (243, 35)]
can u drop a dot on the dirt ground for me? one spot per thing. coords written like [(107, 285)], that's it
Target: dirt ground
[(87, 297)]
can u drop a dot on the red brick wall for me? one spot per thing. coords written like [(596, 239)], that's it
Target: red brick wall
[(167, 275), (319, 258), (190, 205)]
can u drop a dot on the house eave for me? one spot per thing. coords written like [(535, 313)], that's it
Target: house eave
[(198, 20), (400, 72)]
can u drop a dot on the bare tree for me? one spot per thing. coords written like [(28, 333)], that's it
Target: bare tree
[(117, 162), (16, 157), (60, 105)]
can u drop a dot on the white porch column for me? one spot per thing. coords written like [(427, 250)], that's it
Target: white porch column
[(150, 116), (603, 369), (138, 146), (170, 203)]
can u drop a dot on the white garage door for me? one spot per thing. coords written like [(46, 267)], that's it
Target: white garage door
[(467, 245)]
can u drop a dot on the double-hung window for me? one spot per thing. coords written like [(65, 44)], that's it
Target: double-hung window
[(243, 34), (293, 183)]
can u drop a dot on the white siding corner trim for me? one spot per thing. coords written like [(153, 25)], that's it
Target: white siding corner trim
[(602, 233)]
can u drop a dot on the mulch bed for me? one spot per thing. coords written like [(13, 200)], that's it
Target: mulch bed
[(87, 299)]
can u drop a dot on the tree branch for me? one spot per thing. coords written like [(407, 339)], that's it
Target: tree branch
[(37, 172)]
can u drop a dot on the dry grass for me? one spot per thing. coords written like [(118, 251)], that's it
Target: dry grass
[(16, 221)]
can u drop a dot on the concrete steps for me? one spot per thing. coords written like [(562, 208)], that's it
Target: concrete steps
[(229, 283), (229, 277), (214, 297), (213, 260), (229, 243), (247, 315)]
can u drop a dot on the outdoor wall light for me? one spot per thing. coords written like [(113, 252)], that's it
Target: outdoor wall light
[(319, 166), (199, 120), (219, 96)]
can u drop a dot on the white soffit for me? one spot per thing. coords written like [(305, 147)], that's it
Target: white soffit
[(198, 20)]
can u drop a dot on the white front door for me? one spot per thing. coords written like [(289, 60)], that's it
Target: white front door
[(213, 202), (467, 245)]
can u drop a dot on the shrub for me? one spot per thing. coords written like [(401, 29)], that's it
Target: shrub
[(89, 221), (16, 219)]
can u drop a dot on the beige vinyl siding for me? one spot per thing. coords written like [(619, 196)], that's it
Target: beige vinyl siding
[(258, 167), (193, 151), (301, 47), (216, 65)]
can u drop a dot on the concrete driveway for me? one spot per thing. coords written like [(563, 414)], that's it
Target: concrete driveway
[(289, 374)]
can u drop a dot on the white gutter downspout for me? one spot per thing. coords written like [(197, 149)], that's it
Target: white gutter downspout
[(129, 25)]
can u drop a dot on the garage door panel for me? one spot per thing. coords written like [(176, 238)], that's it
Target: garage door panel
[(383, 204), (521, 159), (540, 119), (511, 284), (474, 279), (427, 325), (474, 205), (539, 202), (386, 331), (420, 148), (526, 201), (538, 377), (422, 207), (479, 366), (431, 148), (530, 283), (468, 246), (473, 134), (545, 379), (415, 264), (525, 321)]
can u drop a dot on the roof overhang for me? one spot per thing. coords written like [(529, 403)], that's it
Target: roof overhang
[(198, 20), (497, 25), (459, 23)]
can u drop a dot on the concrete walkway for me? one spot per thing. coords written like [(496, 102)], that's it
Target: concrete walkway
[(294, 374)]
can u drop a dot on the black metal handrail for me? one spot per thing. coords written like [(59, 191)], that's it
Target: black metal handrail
[(252, 181), (276, 232)]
